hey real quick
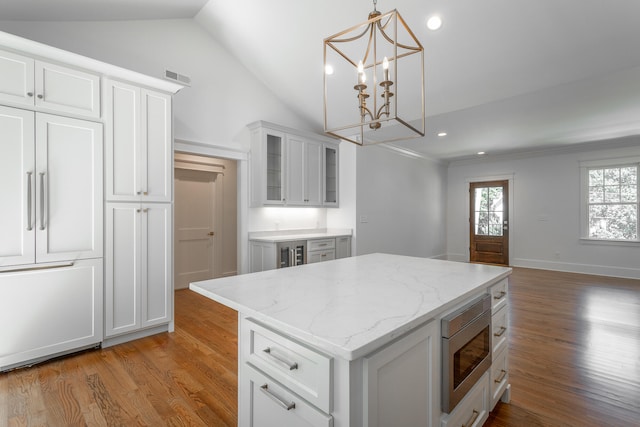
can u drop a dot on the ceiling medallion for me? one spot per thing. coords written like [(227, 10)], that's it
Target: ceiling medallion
[(385, 60)]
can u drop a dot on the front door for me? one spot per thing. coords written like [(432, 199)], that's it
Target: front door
[(489, 222)]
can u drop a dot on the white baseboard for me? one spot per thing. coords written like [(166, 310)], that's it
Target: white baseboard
[(598, 270)]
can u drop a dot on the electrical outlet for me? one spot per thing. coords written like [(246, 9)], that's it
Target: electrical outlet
[(364, 219)]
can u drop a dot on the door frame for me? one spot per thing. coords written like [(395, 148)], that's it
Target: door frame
[(510, 192)]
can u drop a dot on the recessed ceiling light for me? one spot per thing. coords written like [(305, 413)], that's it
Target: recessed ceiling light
[(442, 134), (481, 153), (328, 69), (434, 23)]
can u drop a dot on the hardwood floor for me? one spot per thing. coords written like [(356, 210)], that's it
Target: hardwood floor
[(574, 361)]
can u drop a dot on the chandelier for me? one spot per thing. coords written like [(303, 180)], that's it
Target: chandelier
[(378, 66)]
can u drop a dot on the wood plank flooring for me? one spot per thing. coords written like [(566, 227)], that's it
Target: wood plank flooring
[(574, 361)]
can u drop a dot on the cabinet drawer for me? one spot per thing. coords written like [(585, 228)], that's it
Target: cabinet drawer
[(499, 376), (499, 325), (271, 404), (473, 410), (303, 370), (322, 244), (319, 256), (499, 295)]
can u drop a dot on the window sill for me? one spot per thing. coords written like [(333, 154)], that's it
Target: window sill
[(604, 242)]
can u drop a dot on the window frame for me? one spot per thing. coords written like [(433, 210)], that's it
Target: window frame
[(585, 167)]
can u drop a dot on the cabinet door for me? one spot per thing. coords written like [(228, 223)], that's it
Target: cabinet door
[(156, 142), (156, 268), (69, 189), (122, 272), (68, 90), (295, 171), (123, 146), (273, 163), (17, 187), (330, 166), (343, 247), (16, 79), (400, 381), (313, 173), (50, 311)]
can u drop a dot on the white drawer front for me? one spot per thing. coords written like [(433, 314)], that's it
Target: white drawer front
[(499, 295), (301, 369), (272, 405), (473, 410), (321, 244), (500, 333), (320, 256), (499, 376)]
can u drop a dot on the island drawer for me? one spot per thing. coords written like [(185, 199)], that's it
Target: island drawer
[(499, 376), (300, 368), (473, 410), (499, 325), (320, 244), (274, 405), (499, 294)]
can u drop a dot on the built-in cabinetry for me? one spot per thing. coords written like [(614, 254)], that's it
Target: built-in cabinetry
[(138, 277), (58, 116), (263, 253), (33, 83), (292, 168)]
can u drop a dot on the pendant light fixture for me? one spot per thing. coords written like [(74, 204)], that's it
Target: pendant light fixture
[(374, 81)]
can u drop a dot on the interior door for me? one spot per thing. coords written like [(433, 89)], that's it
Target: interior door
[(194, 221), (489, 222)]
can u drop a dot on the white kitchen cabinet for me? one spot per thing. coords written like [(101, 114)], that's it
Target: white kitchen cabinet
[(138, 267), (343, 247), (304, 167), (400, 381), (263, 256), (50, 311), (288, 167), (473, 410), (319, 250), (139, 144), (51, 182), (48, 86)]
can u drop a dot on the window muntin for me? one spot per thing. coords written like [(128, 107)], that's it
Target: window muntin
[(612, 202)]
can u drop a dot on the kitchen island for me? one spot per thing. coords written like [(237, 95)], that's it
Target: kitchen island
[(351, 342)]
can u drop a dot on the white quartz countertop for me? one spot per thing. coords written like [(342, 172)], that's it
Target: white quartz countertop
[(291, 235), (352, 306)]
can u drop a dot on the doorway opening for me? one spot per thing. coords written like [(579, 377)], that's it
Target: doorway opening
[(205, 228), (489, 222)]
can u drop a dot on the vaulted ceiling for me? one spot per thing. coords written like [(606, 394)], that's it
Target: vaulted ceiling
[(501, 76)]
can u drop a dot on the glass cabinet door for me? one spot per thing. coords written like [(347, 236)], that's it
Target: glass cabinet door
[(330, 175), (274, 168)]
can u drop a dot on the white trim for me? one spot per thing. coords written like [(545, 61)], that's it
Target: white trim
[(193, 147), (614, 162), (510, 177), (598, 270)]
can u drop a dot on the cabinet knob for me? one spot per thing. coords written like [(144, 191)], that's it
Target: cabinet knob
[(211, 233), (40, 96), (30, 94)]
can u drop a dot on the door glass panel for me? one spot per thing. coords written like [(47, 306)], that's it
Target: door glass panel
[(488, 211), (274, 167)]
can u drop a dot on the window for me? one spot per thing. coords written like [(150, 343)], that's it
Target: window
[(611, 193)]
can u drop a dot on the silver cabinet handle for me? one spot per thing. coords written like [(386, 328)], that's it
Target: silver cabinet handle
[(501, 332), (42, 199), (285, 363), (503, 373), (280, 402), (29, 225), (473, 419), (500, 295)]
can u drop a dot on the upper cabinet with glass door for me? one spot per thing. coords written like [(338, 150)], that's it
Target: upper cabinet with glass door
[(292, 168)]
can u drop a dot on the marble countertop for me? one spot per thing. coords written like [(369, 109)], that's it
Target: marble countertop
[(352, 306), (292, 235)]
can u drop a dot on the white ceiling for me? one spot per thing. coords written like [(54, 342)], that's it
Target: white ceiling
[(501, 75)]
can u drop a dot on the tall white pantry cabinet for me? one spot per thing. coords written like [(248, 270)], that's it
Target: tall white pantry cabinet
[(60, 279)]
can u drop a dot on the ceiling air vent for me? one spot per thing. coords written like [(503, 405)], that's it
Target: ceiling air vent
[(177, 77)]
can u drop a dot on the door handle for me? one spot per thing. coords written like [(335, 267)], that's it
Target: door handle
[(211, 233), (42, 200), (29, 225)]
